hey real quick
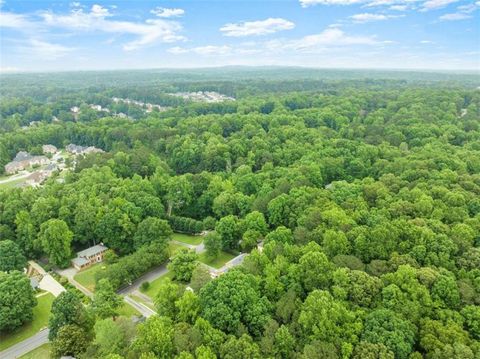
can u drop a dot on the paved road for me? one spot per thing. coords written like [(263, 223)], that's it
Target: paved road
[(25, 346), (142, 308), (149, 276)]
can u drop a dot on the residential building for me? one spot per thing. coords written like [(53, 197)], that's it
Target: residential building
[(89, 256), (49, 149), (24, 160)]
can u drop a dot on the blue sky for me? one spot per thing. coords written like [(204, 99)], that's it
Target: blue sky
[(84, 35)]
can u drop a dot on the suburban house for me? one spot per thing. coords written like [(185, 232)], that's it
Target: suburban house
[(36, 178), (81, 150), (49, 149), (24, 160), (89, 256)]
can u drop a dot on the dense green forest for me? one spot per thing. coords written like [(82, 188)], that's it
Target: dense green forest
[(356, 195)]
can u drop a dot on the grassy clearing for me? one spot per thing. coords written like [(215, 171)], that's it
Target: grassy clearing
[(42, 352), (87, 276), (174, 248), (40, 320), (127, 310), (218, 262), (187, 238), (153, 288), (12, 184)]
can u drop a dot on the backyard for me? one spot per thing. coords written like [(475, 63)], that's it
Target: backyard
[(217, 262), (154, 285), (187, 238), (86, 277), (40, 320), (42, 352)]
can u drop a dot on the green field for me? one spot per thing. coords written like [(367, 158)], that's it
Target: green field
[(42, 352), (187, 238), (218, 262), (174, 248), (127, 310), (87, 277), (12, 184), (153, 289), (40, 320)]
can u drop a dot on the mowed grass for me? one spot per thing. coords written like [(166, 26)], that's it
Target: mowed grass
[(187, 238), (174, 248), (12, 184), (86, 277), (154, 285), (217, 262), (42, 352), (127, 310), (40, 320)]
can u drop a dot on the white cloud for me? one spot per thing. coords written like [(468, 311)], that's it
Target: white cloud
[(99, 11), (46, 50), (306, 3), (14, 21), (149, 32), (166, 13), (426, 42), (454, 17), (367, 17), (399, 7), (436, 4), (331, 37), (256, 28), (463, 12)]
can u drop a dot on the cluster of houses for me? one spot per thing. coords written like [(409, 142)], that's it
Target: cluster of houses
[(148, 106), (203, 96), (50, 161), (24, 160)]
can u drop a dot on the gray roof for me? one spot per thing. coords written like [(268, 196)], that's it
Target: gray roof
[(21, 156), (99, 248), (80, 261)]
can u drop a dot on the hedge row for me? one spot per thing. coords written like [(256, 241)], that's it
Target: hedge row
[(130, 267), (185, 225)]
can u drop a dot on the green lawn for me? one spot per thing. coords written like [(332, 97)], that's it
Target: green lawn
[(40, 320), (87, 276), (174, 248), (153, 289), (12, 184), (187, 238), (127, 310), (218, 262), (42, 352)]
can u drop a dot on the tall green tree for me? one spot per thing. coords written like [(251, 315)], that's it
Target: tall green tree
[(152, 229), (183, 264), (106, 302), (68, 309), (17, 300), (55, 238), (11, 257)]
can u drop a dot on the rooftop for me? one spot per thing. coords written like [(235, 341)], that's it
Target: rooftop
[(99, 248)]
